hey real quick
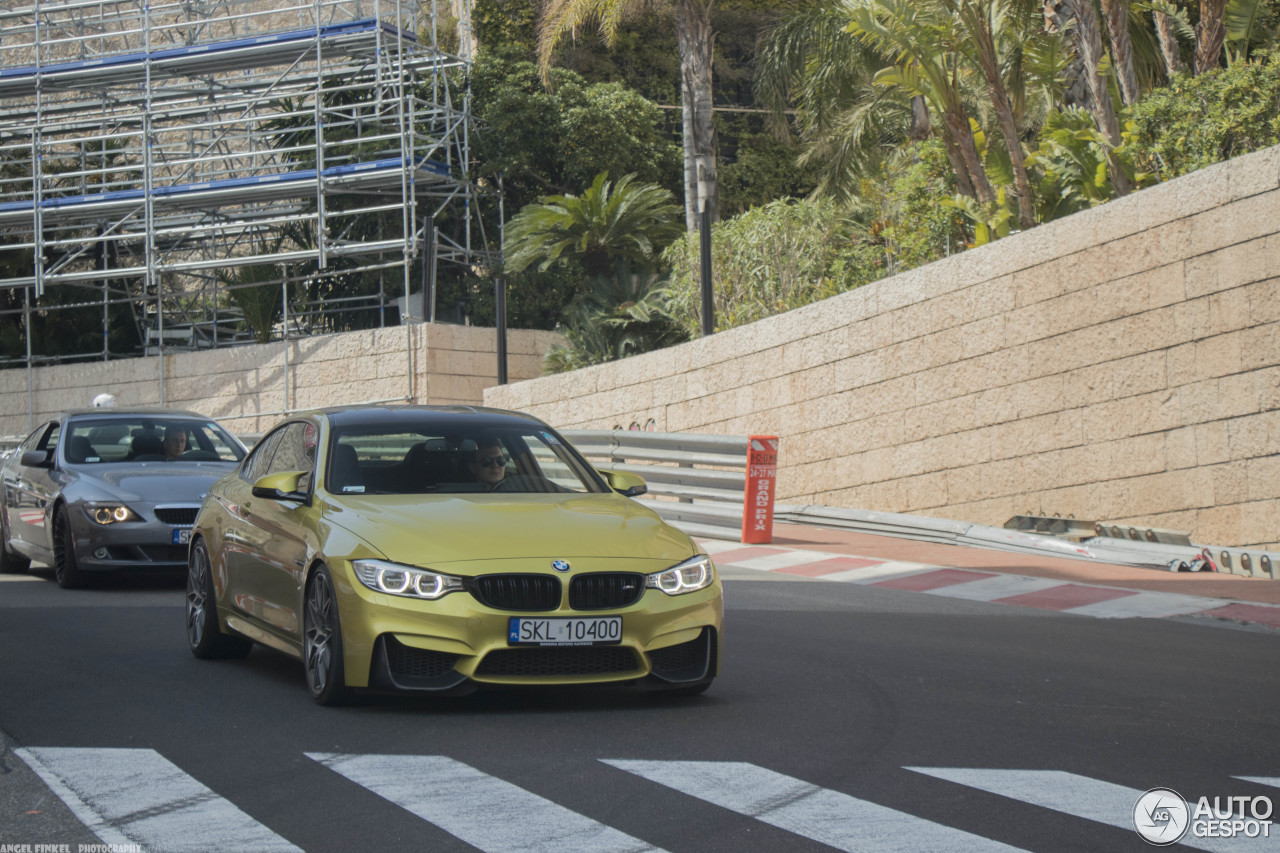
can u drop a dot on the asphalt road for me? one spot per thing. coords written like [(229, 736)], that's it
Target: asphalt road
[(846, 716)]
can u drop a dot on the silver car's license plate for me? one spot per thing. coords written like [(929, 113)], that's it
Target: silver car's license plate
[(182, 536), (592, 631)]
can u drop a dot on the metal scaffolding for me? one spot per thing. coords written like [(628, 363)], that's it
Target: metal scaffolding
[(162, 153)]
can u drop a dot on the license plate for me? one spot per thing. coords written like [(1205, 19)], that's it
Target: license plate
[(182, 536), (523, 631)]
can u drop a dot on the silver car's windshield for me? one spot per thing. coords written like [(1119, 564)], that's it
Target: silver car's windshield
[(399, 461), (95, 441)]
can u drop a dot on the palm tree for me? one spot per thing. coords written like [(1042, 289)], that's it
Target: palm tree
[(609, 221), (983, 22), (1117, 12), (924, 47), (694, 37), (623, 314), (811, 61), (1210, 34), (1165, 22), (1089, 36)]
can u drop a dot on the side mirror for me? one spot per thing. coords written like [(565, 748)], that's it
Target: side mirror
[(37, 459), (281, 487), (627, 485)]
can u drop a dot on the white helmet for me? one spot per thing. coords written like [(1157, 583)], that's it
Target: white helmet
[(104, 401)]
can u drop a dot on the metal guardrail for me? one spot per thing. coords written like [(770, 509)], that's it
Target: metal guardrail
[(1139, 550), (697, 482)]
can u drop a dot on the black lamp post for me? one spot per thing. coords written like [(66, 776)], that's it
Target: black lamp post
[(704, 241)]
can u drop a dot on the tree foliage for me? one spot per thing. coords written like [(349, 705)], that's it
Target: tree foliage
[(1197, 121), (771, 259)]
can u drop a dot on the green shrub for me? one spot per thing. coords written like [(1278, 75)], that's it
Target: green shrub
[(1197, 121), (771, 259)]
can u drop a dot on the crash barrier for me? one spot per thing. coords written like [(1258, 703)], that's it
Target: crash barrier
[(1078, 530), (1057, 537), (704, 484)]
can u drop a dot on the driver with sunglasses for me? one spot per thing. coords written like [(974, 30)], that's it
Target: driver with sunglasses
[(490, 463)]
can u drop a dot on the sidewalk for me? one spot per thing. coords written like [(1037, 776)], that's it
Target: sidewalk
[(1045, 582)]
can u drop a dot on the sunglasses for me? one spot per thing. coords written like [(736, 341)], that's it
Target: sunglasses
[(492, 461)]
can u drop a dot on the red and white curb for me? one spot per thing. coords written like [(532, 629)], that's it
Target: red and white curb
[(994, 587)]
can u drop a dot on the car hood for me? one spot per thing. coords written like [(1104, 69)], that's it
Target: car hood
[(464, 528), (157, 482)]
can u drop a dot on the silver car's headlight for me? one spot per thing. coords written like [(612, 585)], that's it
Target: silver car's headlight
[(110, 513), (395, 579), (693, 574)]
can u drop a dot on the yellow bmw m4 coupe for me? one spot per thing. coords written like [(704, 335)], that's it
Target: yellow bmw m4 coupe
[(434, 549)]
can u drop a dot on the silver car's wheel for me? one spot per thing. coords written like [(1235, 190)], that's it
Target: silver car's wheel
[(66, 569), (204, 637), (322, 641)]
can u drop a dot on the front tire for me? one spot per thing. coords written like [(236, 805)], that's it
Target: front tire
[(322, 641), (66, 569), (204, 637)]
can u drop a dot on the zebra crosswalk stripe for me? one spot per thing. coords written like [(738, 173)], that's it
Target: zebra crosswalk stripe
[(467, 803), (1081, 796), (832, 818), (136, 796)]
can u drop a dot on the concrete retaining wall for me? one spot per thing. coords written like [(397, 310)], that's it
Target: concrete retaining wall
[(1120, 364), (247, 387)]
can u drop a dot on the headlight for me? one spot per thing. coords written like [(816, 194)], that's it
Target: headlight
[(395, 579), (109, 513), (691, 575)]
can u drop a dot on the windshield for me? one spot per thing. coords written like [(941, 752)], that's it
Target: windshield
[(147, 438), (393, 460)]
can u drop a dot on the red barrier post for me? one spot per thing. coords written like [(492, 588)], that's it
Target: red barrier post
[(762, 475)]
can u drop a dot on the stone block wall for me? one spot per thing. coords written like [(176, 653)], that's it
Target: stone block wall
[(249, 387), (1121, 364)]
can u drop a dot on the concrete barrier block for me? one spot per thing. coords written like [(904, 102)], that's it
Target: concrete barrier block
[(1117, 219), (1257, 525), (1231, 485), (1238, 222), (1229, 310), (926, 492), (1073, 233), (1183, 196), (1180, 448), (1254, 173)]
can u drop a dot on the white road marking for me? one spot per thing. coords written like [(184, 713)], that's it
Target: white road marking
[(829, 817), (1091, 799), (1269, 781), (136, 796), (989, 589), (483, 811), (884, 572), (718, 546), (785, 560), (1151, 605)]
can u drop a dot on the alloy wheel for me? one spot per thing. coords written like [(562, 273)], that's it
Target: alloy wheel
[(197, 594), (318, 651)]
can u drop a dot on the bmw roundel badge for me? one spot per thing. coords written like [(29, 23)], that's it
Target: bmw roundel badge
[(560, 565)]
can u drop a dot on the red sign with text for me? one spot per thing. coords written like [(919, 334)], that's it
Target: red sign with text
[(762, 474)]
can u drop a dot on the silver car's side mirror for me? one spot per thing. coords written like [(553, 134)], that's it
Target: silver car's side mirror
[(37, 459)]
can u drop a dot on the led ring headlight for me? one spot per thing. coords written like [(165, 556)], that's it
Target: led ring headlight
[(410, 582)]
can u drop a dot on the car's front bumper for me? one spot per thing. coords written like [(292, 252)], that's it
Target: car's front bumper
[(398, 643), (143, 545)]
